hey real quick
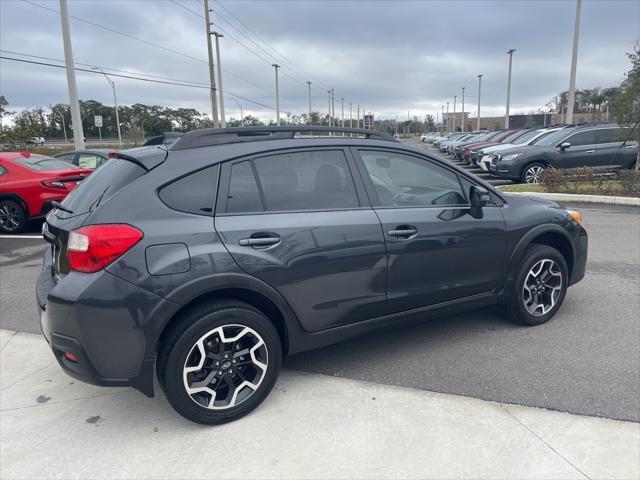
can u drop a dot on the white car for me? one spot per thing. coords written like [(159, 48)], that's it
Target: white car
[(36, 140), (528, 138)]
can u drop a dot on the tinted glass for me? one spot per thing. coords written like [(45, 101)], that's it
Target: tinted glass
[(610, 135), (543, 136), (193, 193), (243, 195), (91, 161), (588, 137), (2, 170), (67, 157), (553, 137), (100, 185), (403, 180), (41, 163), (521, 140), (314, 180)]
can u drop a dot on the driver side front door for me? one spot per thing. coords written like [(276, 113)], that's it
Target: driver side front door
[(437, 251)]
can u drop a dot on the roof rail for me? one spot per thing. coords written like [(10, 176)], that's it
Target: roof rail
[(219, 136)]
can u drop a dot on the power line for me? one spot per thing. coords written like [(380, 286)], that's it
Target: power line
[(132, 77), (146, 42)]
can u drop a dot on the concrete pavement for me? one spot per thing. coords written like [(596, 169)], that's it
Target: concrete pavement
[(311, 426)]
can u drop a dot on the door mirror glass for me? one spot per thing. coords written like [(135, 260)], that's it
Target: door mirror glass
[(480, 196), (564, 145)]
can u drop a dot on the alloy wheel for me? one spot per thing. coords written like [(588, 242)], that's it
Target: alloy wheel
[(534, 174), (225, 367), (10, 216), (542, 287)]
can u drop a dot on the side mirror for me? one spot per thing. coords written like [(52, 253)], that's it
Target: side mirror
[(565, 145), (480, 197)]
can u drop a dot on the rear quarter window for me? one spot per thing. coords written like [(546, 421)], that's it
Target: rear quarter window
[(193, 193)]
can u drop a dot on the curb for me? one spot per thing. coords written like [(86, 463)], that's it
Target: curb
[(574, 197)]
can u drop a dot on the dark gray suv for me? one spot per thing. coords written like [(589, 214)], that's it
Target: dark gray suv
[(601, 146), (212, 260)]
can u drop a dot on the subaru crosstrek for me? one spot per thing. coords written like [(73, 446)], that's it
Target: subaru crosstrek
[(210, 261)]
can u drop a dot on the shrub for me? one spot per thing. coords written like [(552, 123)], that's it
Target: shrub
[(589, 181)]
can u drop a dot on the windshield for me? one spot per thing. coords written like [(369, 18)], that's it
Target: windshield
[(526, 137), (42, 163), (554, 137)]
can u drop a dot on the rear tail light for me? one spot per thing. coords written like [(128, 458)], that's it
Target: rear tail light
[(71, 357), (54, 184), (92, 248)]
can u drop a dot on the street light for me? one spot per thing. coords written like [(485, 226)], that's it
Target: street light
[(240, 107), (506, 117), (223, 122), (574, 64), (455, 98), (276, 67), (115, 101), (463, 122), (479, 92), (309, 84)]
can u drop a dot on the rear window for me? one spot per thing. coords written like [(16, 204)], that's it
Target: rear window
[(114, 175), (41, 163)]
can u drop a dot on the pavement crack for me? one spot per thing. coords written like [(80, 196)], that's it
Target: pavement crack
[(28, 375), (8, 341), (543, 441)]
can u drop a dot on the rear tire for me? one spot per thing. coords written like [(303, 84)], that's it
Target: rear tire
[(13, 218), (540, 286), (227, 347)]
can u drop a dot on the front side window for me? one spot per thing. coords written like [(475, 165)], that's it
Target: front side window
[(588, 137), (312, 180), (405, 181), (67, 157)]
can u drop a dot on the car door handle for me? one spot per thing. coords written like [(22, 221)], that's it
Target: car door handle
[(259, 241), (403, 231), (589, 151)]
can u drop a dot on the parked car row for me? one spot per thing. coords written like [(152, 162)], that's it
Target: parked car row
[(522, 155)]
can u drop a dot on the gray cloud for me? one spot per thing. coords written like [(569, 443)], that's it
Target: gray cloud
[(390, 57)]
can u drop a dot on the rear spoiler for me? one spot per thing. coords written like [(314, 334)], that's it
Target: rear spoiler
[(147, 157)]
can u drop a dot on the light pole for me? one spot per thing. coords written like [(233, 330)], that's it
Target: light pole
[(115, 102), (358, 117), (463, 122), (64, 128), (329, 93), (240, 107), (276, 67), (447, 116), (223, 122), (212, 76), (442, 121), (455, 98), (309, 84), (342, 114), (479, 93), (74, 105), (574, 64), (506, 117), (350, 115), (333, 104)]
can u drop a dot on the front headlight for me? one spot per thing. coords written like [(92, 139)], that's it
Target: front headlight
[(510, 157)]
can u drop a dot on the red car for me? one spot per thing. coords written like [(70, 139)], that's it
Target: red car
[(28, 185)]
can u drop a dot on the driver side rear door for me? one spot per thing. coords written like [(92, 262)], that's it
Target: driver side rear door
[(437, 251)]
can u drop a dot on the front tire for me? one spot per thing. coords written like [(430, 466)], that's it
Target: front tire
[(540, 286), (532, 173), (13, 218), (220, 362)]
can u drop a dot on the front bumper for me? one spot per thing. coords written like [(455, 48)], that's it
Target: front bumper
[(108, 324)]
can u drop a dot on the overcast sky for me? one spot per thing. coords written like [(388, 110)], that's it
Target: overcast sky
[(389, 56)]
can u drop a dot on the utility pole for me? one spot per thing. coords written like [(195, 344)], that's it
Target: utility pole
[(115, 102), (240, 107), (64, 128), (454, 112), (506, 117), (442, 122), (574, 64), (479, 92), (223, 122), (463, 122), (447, 116), (276, 67), (351, 117), (212, 76), (74, 104), (329, 92), (342, 114), (309, 85), (358, 115), (333, 104), (437, 117)]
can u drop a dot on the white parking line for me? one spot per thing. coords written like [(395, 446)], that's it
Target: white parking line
[(22, 236)]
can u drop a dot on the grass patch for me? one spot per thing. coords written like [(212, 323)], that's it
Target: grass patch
[(608, 188)]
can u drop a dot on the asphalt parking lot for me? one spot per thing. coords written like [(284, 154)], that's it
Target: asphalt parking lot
[(585, 361)]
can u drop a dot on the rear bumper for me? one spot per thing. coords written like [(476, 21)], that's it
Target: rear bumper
[(108, 324)]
